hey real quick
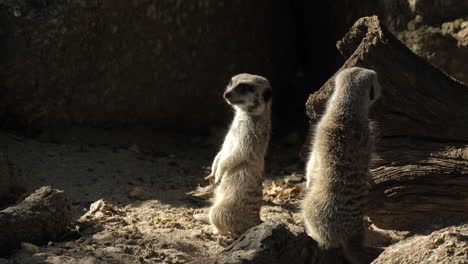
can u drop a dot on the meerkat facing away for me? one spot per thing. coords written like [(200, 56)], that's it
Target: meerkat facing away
[(238, 167), (338, 167)]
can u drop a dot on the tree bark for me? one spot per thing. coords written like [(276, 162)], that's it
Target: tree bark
[(420, 165), (43, 216)]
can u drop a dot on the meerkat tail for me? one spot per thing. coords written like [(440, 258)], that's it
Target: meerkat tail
[(205, 218)]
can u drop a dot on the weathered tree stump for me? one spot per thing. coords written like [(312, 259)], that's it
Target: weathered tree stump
[(43, 216), (420, 167)]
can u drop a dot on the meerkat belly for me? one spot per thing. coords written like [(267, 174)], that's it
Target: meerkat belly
[(237, 201), (240, 185), (229, 146)]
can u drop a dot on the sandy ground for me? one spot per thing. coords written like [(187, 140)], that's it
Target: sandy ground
[(154, 226)]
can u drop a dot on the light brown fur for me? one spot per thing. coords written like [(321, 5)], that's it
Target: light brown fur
[(338, 167), (238, 167)]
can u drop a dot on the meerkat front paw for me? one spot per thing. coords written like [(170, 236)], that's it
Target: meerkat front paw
[(204, 218), (216, 231), (209, 177)]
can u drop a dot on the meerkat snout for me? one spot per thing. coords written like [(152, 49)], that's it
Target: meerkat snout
[(242, 90), (228, 95)]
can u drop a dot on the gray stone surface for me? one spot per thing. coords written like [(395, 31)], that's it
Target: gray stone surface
[(447, 245)]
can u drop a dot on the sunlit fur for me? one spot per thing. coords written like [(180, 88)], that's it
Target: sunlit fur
[(239, 165), (338, 166)]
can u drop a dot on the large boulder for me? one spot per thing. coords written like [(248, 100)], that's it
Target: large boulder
[(43, 216), (444, 246), (436, 12)]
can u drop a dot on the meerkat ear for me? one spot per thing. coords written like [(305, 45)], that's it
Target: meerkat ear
[(375, 92), (372, 93), (267, 95)]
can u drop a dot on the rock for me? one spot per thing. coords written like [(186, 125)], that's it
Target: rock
[(445, 46), (270, 242), (97, 210), (273, 242), (438, 11), (444, 246), (41, 217)]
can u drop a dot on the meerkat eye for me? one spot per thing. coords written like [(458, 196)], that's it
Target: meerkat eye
[(267, 95), (244, 88), (372, 95)]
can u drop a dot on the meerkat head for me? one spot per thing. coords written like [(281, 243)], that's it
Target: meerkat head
[(249, 93), (358, 84)]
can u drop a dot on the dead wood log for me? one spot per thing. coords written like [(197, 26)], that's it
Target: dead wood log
[(421, 161), (41, 217)]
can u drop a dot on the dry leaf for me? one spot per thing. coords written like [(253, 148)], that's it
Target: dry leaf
[(281, 193), (138, 192)]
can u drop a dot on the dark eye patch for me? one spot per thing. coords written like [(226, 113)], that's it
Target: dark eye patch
[(267, 95), (244, 88), (372, 95), (255, 105)]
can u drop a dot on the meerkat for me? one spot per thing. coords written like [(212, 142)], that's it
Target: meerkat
[(338, 167), (238, 167)]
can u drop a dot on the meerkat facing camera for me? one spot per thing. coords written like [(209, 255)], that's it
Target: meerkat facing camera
[(338, 167), (238, 167)]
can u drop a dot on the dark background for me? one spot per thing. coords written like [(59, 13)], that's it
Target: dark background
[(107, 63)]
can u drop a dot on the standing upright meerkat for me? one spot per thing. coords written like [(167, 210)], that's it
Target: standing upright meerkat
[(239, 165), (338, 166)]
